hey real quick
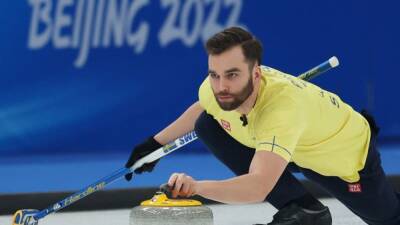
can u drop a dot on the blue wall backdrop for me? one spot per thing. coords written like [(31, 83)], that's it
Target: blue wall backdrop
[(82, 76)]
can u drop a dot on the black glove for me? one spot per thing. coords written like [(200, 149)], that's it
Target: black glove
[(140, 151)]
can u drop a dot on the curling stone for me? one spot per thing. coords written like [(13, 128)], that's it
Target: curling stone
[(161, 210)]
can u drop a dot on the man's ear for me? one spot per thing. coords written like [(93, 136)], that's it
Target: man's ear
[(257, 72)]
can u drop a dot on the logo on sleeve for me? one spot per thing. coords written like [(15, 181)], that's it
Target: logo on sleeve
[(226, 125), (355, 188)]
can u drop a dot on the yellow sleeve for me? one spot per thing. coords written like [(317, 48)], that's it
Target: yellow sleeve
[(205, 94), (279, 127)]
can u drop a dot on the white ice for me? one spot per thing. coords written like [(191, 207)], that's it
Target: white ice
[(223, 215)]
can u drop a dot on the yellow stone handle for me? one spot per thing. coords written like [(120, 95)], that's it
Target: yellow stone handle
[(161, 200)]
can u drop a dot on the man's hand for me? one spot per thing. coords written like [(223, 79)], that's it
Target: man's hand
[(140, 151), (182, 185)]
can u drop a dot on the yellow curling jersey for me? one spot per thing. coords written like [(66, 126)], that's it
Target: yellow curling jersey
[(300, 122)]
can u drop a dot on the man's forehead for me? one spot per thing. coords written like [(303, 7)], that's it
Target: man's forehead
[(235, 54), (222, 63)]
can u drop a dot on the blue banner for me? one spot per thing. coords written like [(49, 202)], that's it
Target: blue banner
[(101, 75)]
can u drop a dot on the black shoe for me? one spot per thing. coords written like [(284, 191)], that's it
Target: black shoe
[(295, 215)]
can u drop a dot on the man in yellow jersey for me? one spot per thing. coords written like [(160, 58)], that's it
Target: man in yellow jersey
[(257, 120)]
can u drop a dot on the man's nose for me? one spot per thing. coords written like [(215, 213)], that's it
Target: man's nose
[(223, 85)]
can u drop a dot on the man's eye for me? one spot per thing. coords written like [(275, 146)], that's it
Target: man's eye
[(213, 75), (232, 75)]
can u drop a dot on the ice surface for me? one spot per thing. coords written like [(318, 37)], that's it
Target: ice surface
[(223, 215)]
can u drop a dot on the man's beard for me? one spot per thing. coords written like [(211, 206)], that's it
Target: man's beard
[(237, 98)]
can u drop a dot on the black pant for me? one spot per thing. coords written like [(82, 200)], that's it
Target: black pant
[(377, 202)]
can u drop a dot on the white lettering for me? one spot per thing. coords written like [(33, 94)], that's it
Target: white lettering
[(61, 21), (84, 50), (38, 40), (211, 25), (86, 24), (168, 31), (233, 19), (114, 24), (140, 37), (176, 25), (98, 23), (77, 25), (189, 39)]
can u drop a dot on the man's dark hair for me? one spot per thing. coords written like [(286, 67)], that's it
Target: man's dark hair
[(234, 36)]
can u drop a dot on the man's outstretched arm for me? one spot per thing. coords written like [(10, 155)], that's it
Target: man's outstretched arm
[(184, 124), (265, 170)]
